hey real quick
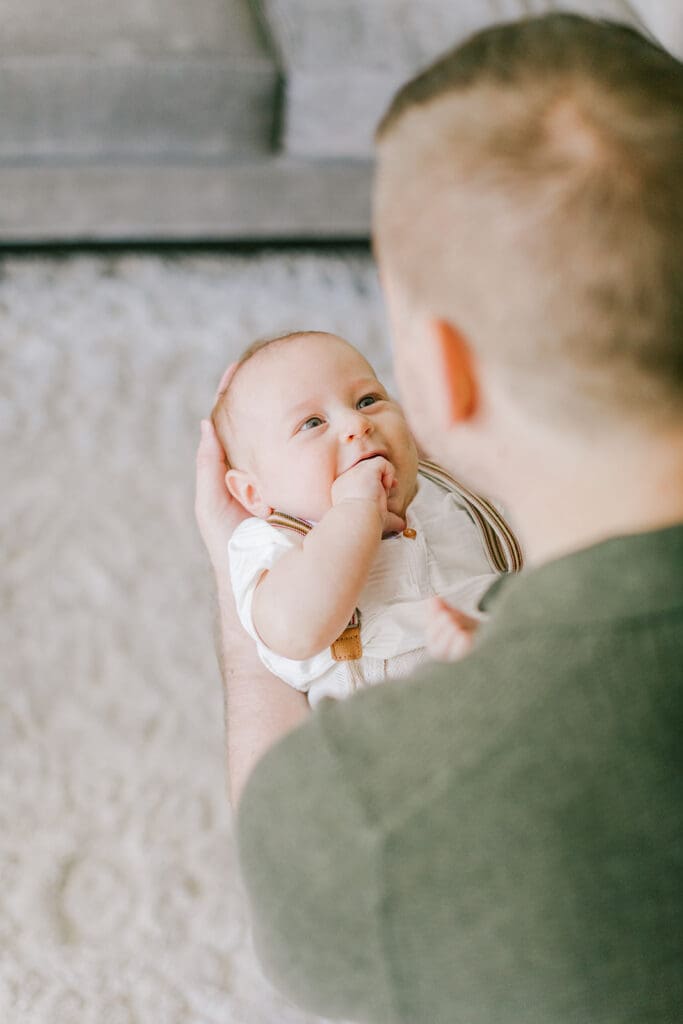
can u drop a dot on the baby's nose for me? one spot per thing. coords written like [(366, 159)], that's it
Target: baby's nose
[(356, 426)]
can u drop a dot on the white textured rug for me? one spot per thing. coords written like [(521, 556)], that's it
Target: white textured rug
[(120, 901)]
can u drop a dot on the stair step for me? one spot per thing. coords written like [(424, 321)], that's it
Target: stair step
[(265, 199), (147, 79)]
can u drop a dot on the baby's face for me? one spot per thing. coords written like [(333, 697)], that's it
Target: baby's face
[(307, 410)]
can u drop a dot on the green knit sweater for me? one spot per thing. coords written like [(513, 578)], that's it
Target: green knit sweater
[(496, 841)]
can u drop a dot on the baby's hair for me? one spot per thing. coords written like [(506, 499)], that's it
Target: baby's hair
[(220, 414)]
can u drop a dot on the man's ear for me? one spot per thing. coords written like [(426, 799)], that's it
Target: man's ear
[(246, 491), (457, 395)]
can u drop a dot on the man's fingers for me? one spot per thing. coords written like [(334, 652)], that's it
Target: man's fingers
[(225, 379), (208, 438), (210, 451), (211, 469)]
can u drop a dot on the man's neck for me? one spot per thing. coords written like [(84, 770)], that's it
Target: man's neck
[(574, 502)]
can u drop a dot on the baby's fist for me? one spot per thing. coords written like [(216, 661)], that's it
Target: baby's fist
[(369, 480), (450, 633)]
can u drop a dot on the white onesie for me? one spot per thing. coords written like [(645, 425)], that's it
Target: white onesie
[(446, 556)]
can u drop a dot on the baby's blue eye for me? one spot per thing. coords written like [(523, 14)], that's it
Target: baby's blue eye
[(365, 401), (311, 422)]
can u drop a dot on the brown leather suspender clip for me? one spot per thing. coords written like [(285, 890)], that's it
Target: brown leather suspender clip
[(348, 647)]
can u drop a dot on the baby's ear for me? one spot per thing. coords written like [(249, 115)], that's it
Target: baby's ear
[(245, 489)]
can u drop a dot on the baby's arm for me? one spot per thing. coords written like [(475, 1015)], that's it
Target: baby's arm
[(450, 633), (305, 601)]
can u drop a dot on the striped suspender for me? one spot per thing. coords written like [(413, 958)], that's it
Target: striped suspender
[(289, 522), (500, 544)]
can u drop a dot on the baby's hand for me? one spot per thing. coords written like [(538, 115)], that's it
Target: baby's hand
[(450, 633), (369, 480)]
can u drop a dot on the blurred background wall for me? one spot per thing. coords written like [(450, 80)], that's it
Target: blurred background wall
[(219, 119)]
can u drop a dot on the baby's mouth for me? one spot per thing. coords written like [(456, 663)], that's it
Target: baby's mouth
[(370, 455)]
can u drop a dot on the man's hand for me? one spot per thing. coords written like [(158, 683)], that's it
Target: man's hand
[(450, 633), (260, 709), (217, 512), (372, 481)]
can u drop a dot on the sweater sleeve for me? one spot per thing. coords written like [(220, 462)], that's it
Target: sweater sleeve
[(309, 861)]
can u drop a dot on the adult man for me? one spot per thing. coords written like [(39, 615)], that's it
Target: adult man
[(499, 840)]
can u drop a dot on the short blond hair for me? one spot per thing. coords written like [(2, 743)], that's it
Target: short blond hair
[(529, 191)]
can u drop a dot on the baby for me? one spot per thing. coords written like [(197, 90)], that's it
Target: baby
[(350, 536)]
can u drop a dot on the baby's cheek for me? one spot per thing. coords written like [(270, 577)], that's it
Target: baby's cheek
[(404, 429), (317, 493)]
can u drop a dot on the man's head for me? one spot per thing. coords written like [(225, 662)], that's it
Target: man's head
[(529, 230), (298, 411)]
